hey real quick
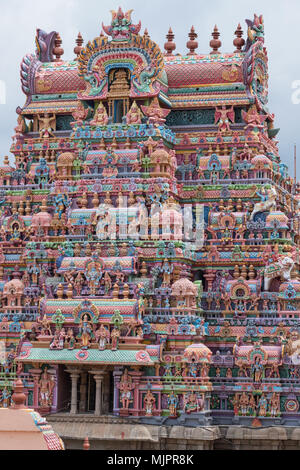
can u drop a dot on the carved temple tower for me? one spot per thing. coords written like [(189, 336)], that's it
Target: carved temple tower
[(149, 256)]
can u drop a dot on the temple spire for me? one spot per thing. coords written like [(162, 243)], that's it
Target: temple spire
[(239, 41), (58, 50), (18, 396), (215, 43), (79, 42), (192, 44), (170, 45)]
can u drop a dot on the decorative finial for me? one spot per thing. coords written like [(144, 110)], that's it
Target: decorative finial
[(238, 42), (86, 444), (18, 396), (192, 44), (215, 43), (78, 48), (170, 46), (146, 34), (58, 51)]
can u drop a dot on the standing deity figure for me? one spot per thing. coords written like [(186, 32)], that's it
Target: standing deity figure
[(262, 405), (45, 127), (252, 406), (45, 389), (257, 370), (46, 330), (243, 404), (103, 335), (223, 116), (70, 339), (85, 332), (107, 283), (126, 386), (167, 270), (204, 370), (78, 283), (236, 404), (115, 335), (173, 404), (274, 405), (6, 396), (149, 403)]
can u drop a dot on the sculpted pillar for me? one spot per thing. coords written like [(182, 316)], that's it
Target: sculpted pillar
[(74, 374)]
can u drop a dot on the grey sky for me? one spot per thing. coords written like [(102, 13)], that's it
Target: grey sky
[(20, 19)]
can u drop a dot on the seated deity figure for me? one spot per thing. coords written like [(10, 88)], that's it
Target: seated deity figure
[(134, 115), (100, 116)]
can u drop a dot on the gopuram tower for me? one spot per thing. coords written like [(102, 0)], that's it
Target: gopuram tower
[(149, 258)]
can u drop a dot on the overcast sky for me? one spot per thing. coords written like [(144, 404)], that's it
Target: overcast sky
[(19, 20)]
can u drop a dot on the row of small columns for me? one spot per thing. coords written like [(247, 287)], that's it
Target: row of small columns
[(215, 43), (99, 377)]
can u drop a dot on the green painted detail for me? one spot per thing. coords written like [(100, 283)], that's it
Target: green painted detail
[(200, 89), (94, 355), (55, 97)]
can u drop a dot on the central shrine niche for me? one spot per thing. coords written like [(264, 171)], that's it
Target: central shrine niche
[(118, 93)]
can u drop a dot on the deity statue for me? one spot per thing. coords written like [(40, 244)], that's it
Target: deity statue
[(173, 402), (274, 371), (115, 335), (190, 403), (223, 116), (46, 385), (275, 405), (257, 370), (204, 370), (46, 330), (80, 113), (243, 404), (58, 339), (252, 406), (45, 127), (78, 283), (134, 115), (6, 397), (262, 406), (102, 335), (126, 386), (20, 128), (100, 116), (85, 332), (70, 339), (149, 403), (107, 282), (155, 113)]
